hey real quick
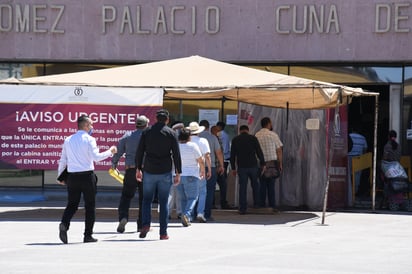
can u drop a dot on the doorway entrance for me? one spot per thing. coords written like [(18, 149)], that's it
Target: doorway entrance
[(361, 116)]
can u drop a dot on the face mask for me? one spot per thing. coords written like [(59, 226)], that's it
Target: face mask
[(90, 132)]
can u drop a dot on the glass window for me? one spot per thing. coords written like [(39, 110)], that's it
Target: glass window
[(407, 111), (188, 110), (10, 70), (349, 75)]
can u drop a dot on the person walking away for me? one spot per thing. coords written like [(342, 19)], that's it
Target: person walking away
[(78, 154), (272, 148), (158, 147), (215, 131), (244, 153), (222, 178), (193, 170), (173, 201), (215, 155), (127, 147), (203, 144)]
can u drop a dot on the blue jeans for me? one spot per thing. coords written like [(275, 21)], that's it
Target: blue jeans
[(210, 193), (267, 185), (202, 197), (188, 192), (174, 201), (161, 183), (245, 174)]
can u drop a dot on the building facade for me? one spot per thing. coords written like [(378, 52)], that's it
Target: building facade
[(357, 43)]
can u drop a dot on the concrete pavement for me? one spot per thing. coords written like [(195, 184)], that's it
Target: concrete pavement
[(286, 242)]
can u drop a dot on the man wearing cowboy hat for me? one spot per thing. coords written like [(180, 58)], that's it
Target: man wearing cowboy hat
[(203, 144)]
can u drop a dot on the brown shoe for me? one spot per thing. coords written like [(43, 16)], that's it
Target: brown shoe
[(144, 231), (164, 237)]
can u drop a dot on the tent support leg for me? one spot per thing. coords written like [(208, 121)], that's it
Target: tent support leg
[(375, 144)]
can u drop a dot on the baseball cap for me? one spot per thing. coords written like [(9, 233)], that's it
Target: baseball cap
[(142, 121), (162, 112)]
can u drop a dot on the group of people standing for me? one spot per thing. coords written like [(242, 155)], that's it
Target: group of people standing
[(179, 163)]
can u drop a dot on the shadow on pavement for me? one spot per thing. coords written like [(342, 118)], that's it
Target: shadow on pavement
[(110, 215)]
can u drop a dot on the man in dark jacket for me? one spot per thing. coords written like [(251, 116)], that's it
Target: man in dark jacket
[(244, 150), (158, 146)]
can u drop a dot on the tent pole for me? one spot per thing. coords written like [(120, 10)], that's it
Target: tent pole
[(375, 144), (329, 162), (325, 200), (180, 110), (222, 106)]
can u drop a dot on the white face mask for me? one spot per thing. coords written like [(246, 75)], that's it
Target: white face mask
[(90, 131)]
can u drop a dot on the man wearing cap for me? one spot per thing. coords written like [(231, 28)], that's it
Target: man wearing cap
[(78, 155), (157, 148), (203, 144), (127, 146), (215, 155)]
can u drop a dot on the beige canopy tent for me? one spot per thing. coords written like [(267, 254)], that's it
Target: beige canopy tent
[(197, 77), (201, 78)]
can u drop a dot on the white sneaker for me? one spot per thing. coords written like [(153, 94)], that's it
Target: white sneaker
[(201, 218)]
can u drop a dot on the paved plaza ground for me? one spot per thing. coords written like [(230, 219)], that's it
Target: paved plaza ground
[(285, 242)]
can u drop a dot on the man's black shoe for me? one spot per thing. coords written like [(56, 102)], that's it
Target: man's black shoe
[(89, 239), (63, 233), (122, 225)]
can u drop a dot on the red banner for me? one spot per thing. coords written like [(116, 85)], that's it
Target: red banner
[(32, 134), (338, 148)]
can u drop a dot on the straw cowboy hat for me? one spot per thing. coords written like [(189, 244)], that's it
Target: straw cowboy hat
[(195, 128)]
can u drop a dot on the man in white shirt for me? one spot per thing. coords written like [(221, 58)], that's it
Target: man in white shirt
[(203, 144), (78, 155)]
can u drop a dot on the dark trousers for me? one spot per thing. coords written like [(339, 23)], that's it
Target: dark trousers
[(267, 186), (210, 193), (78, 184), (244, 175), (130, 184), (222, 182)]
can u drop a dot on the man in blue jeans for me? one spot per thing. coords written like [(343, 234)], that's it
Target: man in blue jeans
[(243, 161), (157, 147), (216, 156)]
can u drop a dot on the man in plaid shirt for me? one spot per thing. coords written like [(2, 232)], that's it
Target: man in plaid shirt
[(272, 150)]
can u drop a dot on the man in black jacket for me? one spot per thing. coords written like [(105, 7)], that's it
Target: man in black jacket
[(157, 147), (244, 150)]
